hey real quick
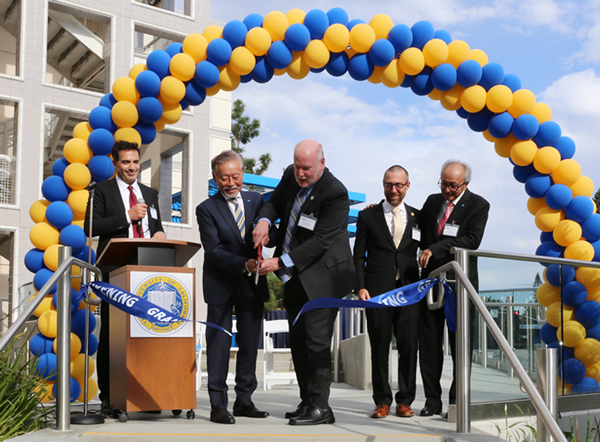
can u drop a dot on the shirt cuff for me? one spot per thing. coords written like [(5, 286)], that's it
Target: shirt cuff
[(287, 260), (265, 219)]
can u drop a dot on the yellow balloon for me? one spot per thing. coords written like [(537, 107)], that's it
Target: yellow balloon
[(212, 91), (563, 389), (75, 346), (82, 130), (382, 25), (51, 257), (77, 201), (242, 61), (542, 112), (47, 323), (593, 293), (136, 69), (128, 134), (182, 67), (78, 367), (212, 32), (44, 391), (195, 46), (76, 150), (37, 211), (546, 219), (473, 98), (567, 172), (479, 56), (567, 232), (435, 52), (160, 125), (392, 75), (523, 152), (298, 69), (362, 37), (228, 79), (588, 351), (458, 51), (581, 250), (504, 145), (499, 98), (43, 235), (593, 371), (535, 204), (78, 222), (316, 54), (123, 89), (523, 103), (258, 41), (43, 306), (92, 390), (571, 333), (171, 113), (412, 61), (279, 72), (375, 77), (435, 94), (588, 277), (546, 159), (276, 23), (584, 186), (553, 314), (77, 176), (172, 90), (295, 16), (450, 100), (547, 294), (124, 114), (488, 136), (337, 38)]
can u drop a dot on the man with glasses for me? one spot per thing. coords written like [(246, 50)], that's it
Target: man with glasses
[(456, 217), (385, 257)]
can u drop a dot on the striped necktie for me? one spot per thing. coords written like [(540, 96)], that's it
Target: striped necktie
[(240, 219), (286, 274), (449, 208)]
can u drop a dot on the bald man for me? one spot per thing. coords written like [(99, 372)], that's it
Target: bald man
[(313, 259)]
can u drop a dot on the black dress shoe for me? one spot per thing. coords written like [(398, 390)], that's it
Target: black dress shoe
[(300, 410), (221, 416), (430, 411), (248, 411), (314, 416)]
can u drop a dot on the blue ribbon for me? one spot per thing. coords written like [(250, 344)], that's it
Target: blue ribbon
[(400, 297), (135, 305)]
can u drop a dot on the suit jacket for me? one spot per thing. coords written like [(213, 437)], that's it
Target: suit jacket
[(322, 256), (225, 253), (376, 257), (109, 213), (471, 215)]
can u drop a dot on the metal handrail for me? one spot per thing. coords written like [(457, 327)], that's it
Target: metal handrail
[(529, 258)]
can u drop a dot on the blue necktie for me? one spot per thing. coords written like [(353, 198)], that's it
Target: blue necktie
[(286, 274), (240, 219)]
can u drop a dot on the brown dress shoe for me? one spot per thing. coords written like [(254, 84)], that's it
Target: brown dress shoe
[(404, 411), (380, 411)]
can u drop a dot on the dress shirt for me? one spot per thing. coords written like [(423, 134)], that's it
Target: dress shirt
[(231, 205), (389, 216), (124, 190), (443, 207)]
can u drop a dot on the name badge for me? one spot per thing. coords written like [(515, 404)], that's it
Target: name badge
[(416, 234), (307, 222), (153, 213), (450, 230)]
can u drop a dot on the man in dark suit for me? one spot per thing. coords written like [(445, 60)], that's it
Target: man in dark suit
[(228, 280), (313, 259), (453, 218), (385, 257), (118, 214)]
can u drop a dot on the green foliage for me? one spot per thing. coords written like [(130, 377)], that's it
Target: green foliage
[(537, 281), (243, 130), (276, 291), (20, 390), (591, 433), (596, 199), (517, 431)]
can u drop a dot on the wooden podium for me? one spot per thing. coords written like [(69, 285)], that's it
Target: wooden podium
[(152, 366)]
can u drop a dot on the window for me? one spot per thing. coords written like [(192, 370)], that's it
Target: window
[(10, 32), (8, 151), (177, 6), (59, 126), (6, 285)]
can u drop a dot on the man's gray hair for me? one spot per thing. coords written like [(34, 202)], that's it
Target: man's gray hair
[(225, 157), (463, 164)]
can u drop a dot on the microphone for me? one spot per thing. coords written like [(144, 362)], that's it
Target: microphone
[(139, 226)]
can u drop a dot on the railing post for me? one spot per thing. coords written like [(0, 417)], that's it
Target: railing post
[(63, 380), (547, 374), (510, 331), (483, 339), (336, 347), (463, 349)]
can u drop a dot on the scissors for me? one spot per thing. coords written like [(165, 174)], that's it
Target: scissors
[(258, 261)]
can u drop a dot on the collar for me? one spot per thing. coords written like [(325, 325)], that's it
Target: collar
[(387, 207), (238, 197), (123, 185), (455, 202)]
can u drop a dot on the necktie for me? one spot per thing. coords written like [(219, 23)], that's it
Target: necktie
[(133, 202), (397, 226), (449, 207), (240, 219), (286, 274)]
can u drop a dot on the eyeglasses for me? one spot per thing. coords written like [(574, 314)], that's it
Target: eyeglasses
[(398, 186), (451, 186)]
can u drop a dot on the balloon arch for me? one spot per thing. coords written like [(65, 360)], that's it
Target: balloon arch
[(425, 60)]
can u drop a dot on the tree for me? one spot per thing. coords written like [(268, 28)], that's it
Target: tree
[(537, 281), (243, 130), (597, 200), (276, 293)]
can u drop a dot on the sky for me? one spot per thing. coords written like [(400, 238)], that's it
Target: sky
[(554, 48)]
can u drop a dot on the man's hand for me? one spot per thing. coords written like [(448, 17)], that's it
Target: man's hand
[(425, 257), (363, 294), (269, 265), (260, 235), (159, 235), (251, 265), (138, 212)]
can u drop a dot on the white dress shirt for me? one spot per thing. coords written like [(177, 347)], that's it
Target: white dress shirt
[(124, 190)]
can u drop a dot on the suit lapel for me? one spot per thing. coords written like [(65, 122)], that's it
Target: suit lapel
[(460, 209), (381, 222), (223, 207), (115, 194), (410, 223)]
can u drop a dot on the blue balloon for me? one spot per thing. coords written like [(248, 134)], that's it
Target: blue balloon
[(401, 37), (469, 73), (317, 22), (422, 32), (593, 332), (525, 127), (147, 131), (360, 67), (73, 236), (78, 323), (555, 273), (571, 371), (147, 84), (337, 15), (297, 37), (40, 344), (549, 249), (150, 109), (218, 52), (55, 189), (194, 94), (492, 74), (501, 125), (546, 236), (547, 334), (59, 166), (279, 55), (537, 185), (421, 83), (580, 209), (564, 352), (174, 49), (108, 101), (558, 196), (587, 385), (574, 294), (548, 134), (158, 62), (443, 35), (591, 228), (234, 33), (83, 255), (263, 71), (338, 64), (521, 173), (382, 52), (41, 277), (479, 121), (317, 71), (101, 141), (588, 313), (253, 21), (207, 74), (101, 168), (596, 246), (34, 260), (93, 345), (407, 81), (46, 367), (444, 77), (184, 104), (74, 302), (566, 147), (462, 113), (100, 118), (512, 81), (354, 22), (59, 214), (75, 389)]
